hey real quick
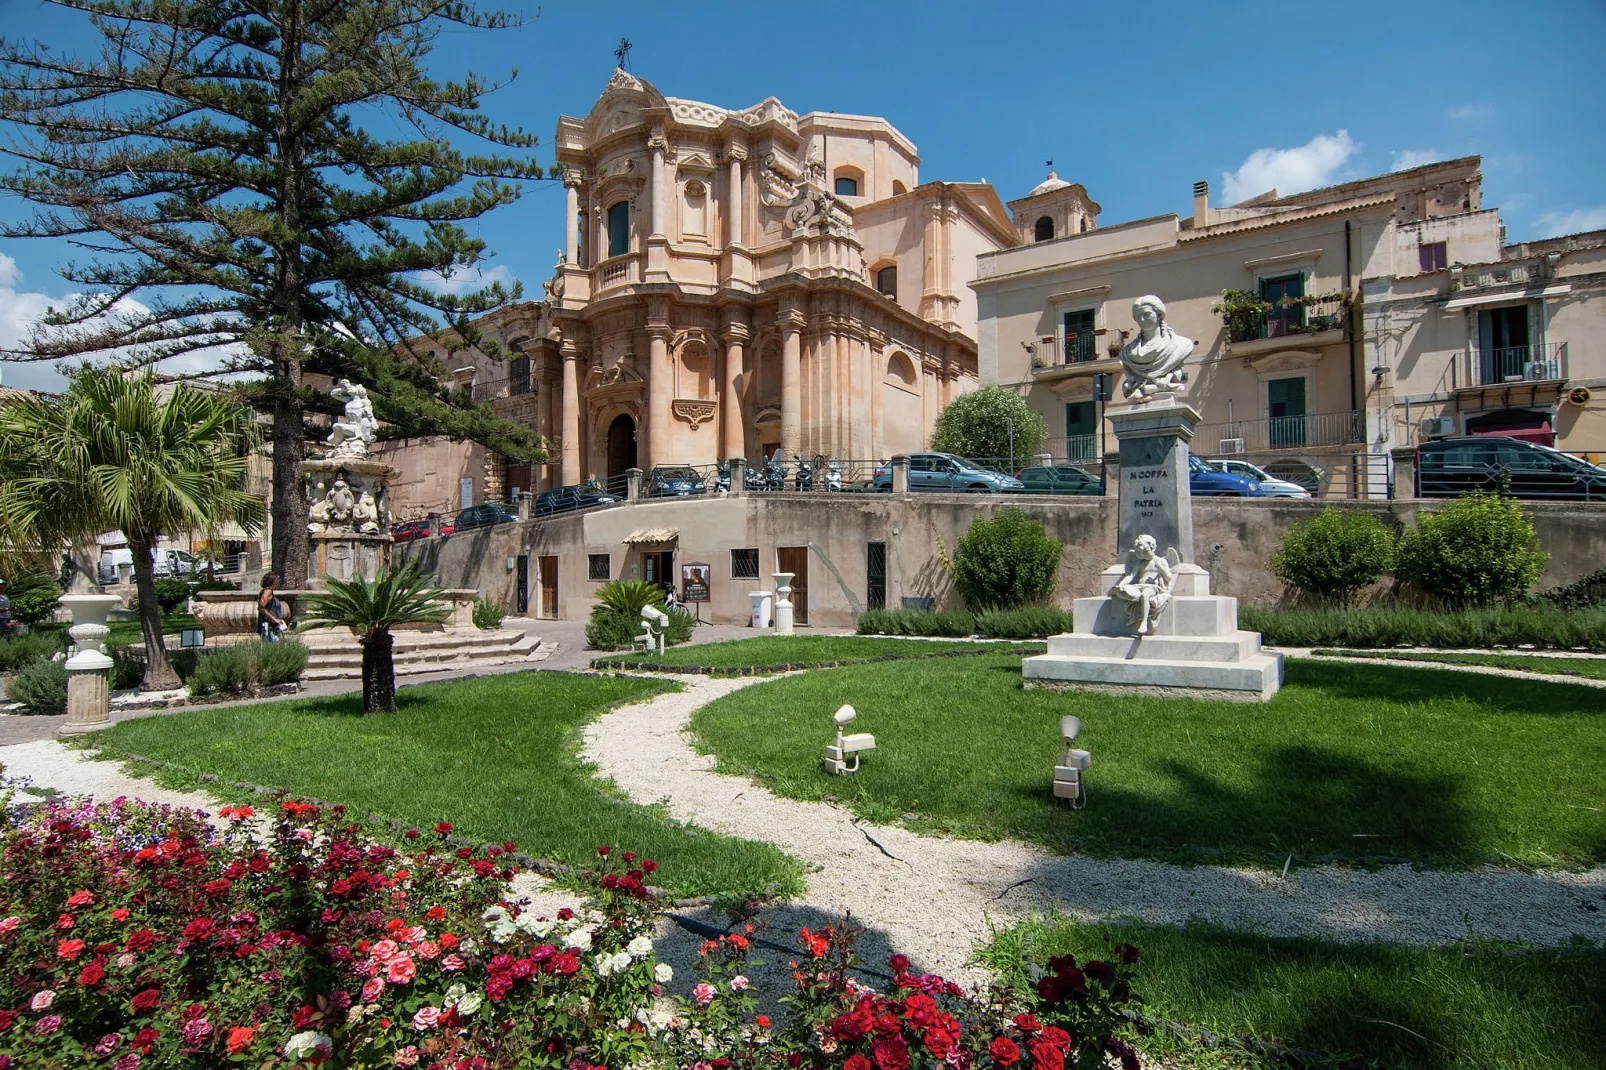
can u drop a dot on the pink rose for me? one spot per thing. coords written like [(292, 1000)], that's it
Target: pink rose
[(10, 923), (428, 950), (739, 983), (371, 989), (703, 994), (385, 950), (452, 963), (400, 970), (47, 1025), (412, 934), (426, 1018), (127, 1062), (41, 1000), (407, 1056), (80, 899)]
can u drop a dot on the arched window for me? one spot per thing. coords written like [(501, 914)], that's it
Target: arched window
[(1084, 226), (847, 187), (886, 281), (901, 369), (619, 229), (1044, 230), (898, 188)]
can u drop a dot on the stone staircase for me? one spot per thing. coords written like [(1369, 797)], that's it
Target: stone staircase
[(335, 655)]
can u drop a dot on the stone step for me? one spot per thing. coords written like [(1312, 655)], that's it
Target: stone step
[(1256, 677), (344, 670), (404, 640), (1234, 646)]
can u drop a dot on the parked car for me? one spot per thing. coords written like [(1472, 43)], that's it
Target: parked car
[(409, 530), (484, 516), (675, 480), (567, 499), (1206, 482), (1270, 486), (171, 564), (1449, 467), (1059, 479), (944, 471)]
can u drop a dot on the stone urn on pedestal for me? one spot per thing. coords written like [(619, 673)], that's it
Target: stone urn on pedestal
[(349, 522), (88, 670), (783, 602)]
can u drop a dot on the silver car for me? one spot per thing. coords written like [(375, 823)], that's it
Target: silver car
[(945, 472), (1271, 486)]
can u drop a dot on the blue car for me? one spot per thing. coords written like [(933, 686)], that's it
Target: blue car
[(1206, 482)]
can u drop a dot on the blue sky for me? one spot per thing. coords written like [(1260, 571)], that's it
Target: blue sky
[(1135, 103)]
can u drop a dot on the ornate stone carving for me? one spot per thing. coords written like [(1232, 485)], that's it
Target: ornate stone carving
[(1154, 358), (694, 411), (1146, 584), (350, 436), (623, 79)]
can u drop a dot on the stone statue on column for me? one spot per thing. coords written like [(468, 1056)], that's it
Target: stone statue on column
[(1154, 359)]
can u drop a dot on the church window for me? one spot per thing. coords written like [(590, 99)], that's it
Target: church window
[(847, 187), (619, 229), (1044, 230), (886, 281), (898, 188)]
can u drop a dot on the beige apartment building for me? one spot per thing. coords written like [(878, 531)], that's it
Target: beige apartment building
[(732, 282), (1396, 311)]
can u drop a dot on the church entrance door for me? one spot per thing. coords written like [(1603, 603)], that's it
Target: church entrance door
[(621, 445)]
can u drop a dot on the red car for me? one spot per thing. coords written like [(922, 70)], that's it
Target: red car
[(409, 530)]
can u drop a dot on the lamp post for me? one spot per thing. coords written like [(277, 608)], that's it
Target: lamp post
[(88, 684)]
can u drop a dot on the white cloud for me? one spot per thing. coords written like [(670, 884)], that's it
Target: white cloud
[(1555, 224), (1467, 111), (465, 280), (1295, 170), (1406, 159), (10, 274)]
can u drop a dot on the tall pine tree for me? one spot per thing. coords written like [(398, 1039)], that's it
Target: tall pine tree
[(218, 160)]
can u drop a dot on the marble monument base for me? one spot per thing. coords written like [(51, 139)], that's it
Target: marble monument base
[(1195, 648)]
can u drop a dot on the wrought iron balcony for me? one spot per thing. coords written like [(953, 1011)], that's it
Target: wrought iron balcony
[(512, 387), (1513, 364), (1302, 316), (1281, 433)]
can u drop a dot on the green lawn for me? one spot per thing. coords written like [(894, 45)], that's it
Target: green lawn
[(1358, 1005), (1593, 668), (127, 632), (800, 650), (495, 756), (1358, 761)]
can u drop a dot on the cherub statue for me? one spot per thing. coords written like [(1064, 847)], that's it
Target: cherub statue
[(340, 503), (1146, 586), (365, 514), (351, 434)]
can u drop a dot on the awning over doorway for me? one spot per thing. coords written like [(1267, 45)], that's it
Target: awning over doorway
[(651, 535)]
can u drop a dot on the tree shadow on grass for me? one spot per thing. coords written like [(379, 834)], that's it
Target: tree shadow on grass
[(1396, 683), (1301, 799)]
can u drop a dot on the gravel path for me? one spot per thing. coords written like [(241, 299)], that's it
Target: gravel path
[(935, 897)]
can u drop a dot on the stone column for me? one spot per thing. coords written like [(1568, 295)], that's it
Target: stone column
[(660, 184), (660, 390), (791, 382), (571, 217), (738, 470), (570, 432), (734, 429), (873, 383), (88, 683), (783, 602), (1155, 496), (900, 474), (1404, 485), (733, 211), (632, 484)]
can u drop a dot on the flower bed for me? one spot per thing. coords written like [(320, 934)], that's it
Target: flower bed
[(140, 935)]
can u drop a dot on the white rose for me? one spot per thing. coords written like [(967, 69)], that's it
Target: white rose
[(640, 947), (305, 1045), (663, 973), (580, 940), (604, 965)]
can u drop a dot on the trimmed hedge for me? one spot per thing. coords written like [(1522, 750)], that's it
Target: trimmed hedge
[(41, 688), (255, 664), (612, 629), (1537, 625), (19, 651), (1027, 622), (952, 624)]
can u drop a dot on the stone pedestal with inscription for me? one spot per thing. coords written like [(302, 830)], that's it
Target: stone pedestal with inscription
[(1157, 629)]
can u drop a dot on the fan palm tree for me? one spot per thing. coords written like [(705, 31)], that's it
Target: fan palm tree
[(371, 608), (111, 454)]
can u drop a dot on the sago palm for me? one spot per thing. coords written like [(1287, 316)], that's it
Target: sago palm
[(371, 608), (111, 454)]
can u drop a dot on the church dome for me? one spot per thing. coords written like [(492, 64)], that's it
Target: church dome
[(1049, 185)]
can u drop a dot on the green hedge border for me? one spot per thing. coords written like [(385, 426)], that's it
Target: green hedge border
[(796, 666)]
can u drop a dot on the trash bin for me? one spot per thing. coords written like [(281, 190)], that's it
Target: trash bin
[(763, 607)]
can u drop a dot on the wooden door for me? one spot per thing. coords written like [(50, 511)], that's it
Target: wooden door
[(795, 559), (549, 586)]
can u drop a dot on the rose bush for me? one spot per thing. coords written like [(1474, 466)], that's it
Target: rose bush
[(146, 936), (136, 935)]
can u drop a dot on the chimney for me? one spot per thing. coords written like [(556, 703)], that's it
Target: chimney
[(1201, 205)]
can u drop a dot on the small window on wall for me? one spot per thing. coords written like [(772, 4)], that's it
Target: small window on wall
[(744, 564), (847, 187), (619, 229), (886, 282), (1432, 256), (601, 566)]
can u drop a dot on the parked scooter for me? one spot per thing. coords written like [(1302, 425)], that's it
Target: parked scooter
[(804, 480), (833, 474), (774, 473)]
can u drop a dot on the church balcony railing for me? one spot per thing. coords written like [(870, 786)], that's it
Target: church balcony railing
[(511, 387), (616, 271)]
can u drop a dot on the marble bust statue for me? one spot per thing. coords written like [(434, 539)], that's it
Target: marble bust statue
[(1153, 359), (1146, 585)]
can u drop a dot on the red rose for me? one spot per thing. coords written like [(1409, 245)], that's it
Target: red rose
[(240, 1038), (6, 1019), (891, 1053), (448, 940), (762, 1021), (649, 866), (938, 1042), (412, 834), (1004, 1051), (604, 850), (899, 963), (69, 949), (199, 929), (1056, 1036), (443, 827), (1127, 954), (435, 913), (92, 974), (856, 1062), (1100, 972), (145, 1000), (120, 914), (141, 940), (65, 922), (1046, 1056)]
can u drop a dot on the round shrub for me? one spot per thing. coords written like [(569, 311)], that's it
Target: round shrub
[(1005, 562), (170, 594), (36, 606), (20, 651), (1334, 555), (978, 424), (41, 688), (1477, 550)]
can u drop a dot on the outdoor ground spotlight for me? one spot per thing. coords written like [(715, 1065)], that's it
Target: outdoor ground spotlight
[(836, 755), (1072, 764)]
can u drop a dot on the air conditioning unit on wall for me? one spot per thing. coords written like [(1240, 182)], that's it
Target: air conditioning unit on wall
[(1230, 445), (1438, 426)]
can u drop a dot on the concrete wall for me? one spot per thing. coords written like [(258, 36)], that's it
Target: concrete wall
[(1234, 538)]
